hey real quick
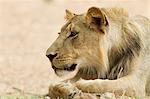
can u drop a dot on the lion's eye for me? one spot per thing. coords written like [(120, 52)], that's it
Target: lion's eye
[(72, 34)]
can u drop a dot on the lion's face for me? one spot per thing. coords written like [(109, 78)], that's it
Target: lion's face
[(80, 46)]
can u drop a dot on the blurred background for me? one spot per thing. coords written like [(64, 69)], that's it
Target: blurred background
[(28, 28)]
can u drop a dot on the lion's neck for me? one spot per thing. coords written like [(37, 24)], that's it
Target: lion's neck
[(125, 46)]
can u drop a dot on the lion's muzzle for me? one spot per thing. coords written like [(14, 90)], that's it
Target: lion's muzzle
[(51, 56)]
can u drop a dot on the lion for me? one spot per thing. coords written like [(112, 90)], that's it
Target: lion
[(108, 49)]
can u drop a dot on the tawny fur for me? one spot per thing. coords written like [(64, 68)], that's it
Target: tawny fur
[(111, 50)]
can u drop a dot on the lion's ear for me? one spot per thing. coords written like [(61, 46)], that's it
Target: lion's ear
[(96, 18), (69, 15)]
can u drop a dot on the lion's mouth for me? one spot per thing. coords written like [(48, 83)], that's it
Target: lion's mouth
[(71, 68), (67, 68)]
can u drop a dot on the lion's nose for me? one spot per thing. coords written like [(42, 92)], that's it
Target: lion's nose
[(51, 56)]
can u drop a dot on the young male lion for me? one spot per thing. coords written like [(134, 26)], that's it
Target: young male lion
[(109, 50)]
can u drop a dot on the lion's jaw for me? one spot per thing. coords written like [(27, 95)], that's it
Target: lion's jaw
[(87, 68), (87, 65), (65, 68)]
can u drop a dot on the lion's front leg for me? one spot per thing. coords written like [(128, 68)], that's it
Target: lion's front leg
[(125, 85), (91, 86), (62, 90), (66, 90)]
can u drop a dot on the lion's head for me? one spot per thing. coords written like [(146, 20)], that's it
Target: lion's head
[(81, 45)]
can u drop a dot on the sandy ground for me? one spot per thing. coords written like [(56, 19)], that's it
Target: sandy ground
[(28, 28)]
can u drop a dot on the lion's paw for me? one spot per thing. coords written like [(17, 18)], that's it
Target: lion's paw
[(62, 90)]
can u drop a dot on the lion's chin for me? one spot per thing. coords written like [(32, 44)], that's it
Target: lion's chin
[(66, 70), (60, 72), (65, 73)]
